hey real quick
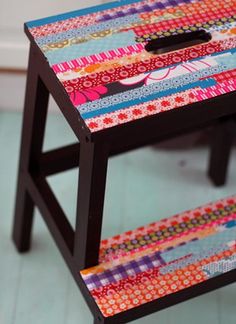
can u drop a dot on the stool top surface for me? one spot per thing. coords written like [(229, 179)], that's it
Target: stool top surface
[(99, 56)]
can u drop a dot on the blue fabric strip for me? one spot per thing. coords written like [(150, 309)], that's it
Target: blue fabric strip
[(116, 102), (93, 47), (193, 258), (84, 31), (162, 94), (150, 92), (200, 245)]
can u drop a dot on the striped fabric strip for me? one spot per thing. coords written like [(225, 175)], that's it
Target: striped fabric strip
[(155, 62), (206, 214), (211, 25), (183, 21), (224, 76), (108, 290), (190, 8), (90, 48), (131, 268), (98, 58), (147, 93), (139, 111), (148, 7), (119, 274), (135, 112), (87, 30), (216, 90), (80, 18)]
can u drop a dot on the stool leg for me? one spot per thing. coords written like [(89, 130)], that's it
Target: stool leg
[(34, 119), (221, 143), (92, 181)]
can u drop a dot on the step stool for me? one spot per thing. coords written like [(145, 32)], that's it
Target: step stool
[(124, 75)]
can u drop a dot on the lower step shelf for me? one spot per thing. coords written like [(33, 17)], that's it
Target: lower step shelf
[(164, 258)]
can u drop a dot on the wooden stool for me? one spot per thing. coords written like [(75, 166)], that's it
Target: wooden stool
[(128, 74)]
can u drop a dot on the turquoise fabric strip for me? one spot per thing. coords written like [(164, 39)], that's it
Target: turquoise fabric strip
[(93, 47), (84, 31), (154, 96), (175, 85), (202, 245), (151, 92), (192, 258)]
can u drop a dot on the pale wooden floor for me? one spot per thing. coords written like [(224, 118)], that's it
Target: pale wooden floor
[(151, 183)]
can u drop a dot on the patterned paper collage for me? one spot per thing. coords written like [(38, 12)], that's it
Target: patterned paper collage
[(99, 56), (164, 257)]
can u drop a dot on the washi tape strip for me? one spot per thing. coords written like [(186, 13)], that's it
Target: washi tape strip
[(98, 58), (217, 24), (155, 62), (183, 21)]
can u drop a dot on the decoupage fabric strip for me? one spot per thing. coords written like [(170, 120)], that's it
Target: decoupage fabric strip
[(90, 48), (201, 15), (92, 15), (84, 31), (180, 22), (154, 62), (148, 92), (208, 25), (108, 58), (181, 223), (149, 6), (225, 76)]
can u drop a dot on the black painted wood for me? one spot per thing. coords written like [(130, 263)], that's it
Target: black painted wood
[(222, 137), (92, 181), (35, 111)]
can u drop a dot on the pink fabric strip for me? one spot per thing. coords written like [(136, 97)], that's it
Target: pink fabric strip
[(156, 61), (183, 21), (216, 90), (101, 57), (223, 76)]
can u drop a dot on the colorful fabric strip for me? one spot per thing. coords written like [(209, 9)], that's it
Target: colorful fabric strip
[(211, 214), (147, 93), (145, 8), (154, 107), (98, 58), (155, 62), (84, 31), (211, 25), (182, 21), (131, 268), (90, 48)]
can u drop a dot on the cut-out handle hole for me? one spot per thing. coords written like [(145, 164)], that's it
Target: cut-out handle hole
[(176, 42)]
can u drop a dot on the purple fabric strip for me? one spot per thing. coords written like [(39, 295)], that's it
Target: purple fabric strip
[(124, 271), (145, 8)]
